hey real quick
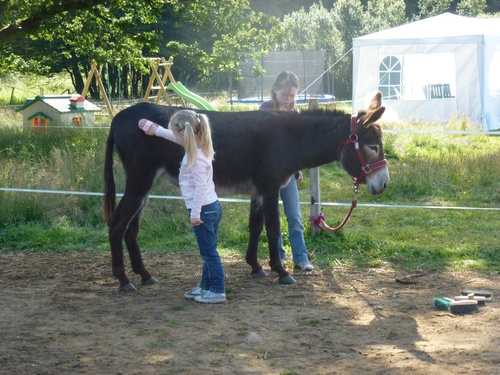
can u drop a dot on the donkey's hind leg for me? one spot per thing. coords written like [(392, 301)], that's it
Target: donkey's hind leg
[(256, 224), (127, 212), (134, 251)]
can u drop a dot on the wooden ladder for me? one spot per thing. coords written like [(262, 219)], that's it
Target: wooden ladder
[(157, 83)]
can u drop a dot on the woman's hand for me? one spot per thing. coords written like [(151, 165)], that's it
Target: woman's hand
[(299, 177)]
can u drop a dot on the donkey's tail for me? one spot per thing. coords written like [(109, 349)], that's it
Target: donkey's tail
[(109, 180)]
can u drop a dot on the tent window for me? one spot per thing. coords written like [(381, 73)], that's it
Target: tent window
[(390, 78)]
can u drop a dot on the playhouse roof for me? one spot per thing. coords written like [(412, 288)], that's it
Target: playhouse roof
[(61, 103)]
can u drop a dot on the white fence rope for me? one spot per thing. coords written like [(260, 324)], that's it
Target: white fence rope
[(235, 200)]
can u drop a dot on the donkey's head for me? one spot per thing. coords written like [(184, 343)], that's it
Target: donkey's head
[(362, 154)]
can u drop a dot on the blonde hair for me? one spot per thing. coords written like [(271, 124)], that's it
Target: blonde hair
[(195, 128), (285, 80)]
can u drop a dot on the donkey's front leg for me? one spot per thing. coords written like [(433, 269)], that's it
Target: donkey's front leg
[(273, 230), (256, 224)]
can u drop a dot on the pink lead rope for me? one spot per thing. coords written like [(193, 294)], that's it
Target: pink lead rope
[(365, 169)]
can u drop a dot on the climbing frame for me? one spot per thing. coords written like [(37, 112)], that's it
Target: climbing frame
[(158, 83), (97, 73)]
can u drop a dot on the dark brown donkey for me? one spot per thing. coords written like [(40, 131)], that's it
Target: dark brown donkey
[(255, 153)]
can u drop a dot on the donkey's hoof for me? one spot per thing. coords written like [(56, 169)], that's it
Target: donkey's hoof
[(260, 273), (287, 280), (150, 281), (128, 287)]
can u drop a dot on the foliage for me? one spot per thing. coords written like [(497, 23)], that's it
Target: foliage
[(471, 8), (212, 36), (333, 30), (429, 8), (383, 14), (221, 33), (208, 39)]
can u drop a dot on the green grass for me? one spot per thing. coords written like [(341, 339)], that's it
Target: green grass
[(15, 89), (426, 170)]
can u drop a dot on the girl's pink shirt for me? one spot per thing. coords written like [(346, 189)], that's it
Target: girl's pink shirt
[(196, 183)]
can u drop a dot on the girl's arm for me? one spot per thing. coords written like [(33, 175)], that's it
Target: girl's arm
[(151, 128), (199, 173)]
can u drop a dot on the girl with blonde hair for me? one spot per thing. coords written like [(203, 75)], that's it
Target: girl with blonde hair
[(192, 131)]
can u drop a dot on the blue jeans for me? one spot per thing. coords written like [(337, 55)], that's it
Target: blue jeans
[(212, 277), (291, 205)]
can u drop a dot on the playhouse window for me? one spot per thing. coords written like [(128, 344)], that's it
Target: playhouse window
[(390, 78)]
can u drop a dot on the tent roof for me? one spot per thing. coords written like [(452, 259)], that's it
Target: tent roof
[(445, 25)]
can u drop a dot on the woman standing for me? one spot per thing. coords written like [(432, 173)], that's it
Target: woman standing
[(283, 99)]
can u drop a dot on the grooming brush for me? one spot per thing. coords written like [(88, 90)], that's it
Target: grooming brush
[(456, 307), (479, 293), (466, 306), (442, 303), (480, 299)]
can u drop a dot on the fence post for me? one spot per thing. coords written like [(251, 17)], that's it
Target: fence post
[(315, 187), (12, 96)]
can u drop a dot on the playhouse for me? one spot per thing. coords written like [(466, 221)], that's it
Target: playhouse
[(58, 110)]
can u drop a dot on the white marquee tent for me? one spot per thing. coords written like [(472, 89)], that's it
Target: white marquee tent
[(432, 69)]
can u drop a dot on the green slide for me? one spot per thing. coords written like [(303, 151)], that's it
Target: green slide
[(190, 97)]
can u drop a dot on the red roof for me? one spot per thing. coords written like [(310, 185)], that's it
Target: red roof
[(76, 98)]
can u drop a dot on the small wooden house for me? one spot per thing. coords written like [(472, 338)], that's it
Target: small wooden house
[(58, 110)]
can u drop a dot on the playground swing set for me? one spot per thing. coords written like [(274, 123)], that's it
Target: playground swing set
[(157, 87)]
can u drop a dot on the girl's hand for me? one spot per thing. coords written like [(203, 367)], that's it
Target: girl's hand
[(149, 127), (196, 222)]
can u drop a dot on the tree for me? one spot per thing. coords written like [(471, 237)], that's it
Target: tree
[(348, 19), (215, 36), (27, 16), (66, 35), (429, 8), (384, 14), (471, 8), (117, 32), (309, 30)]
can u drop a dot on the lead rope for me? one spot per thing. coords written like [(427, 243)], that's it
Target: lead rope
[(319, 221)]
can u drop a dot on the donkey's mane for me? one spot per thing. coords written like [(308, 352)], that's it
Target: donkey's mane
[(323, 112)]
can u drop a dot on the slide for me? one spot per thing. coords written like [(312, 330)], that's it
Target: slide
[(190, 97)]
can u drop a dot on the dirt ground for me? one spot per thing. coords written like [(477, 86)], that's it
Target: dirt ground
[(62, 314)]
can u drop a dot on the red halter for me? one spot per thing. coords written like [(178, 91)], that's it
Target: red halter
[(365, 169)]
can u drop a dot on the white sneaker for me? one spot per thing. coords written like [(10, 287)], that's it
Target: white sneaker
[(195, 292), (305, 266), (211, 297)]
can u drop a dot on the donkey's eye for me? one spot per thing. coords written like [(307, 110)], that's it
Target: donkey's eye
[(374, 149)]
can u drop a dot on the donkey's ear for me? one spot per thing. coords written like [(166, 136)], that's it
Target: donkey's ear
[(376, 102), (373, 115), (374, 111)]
